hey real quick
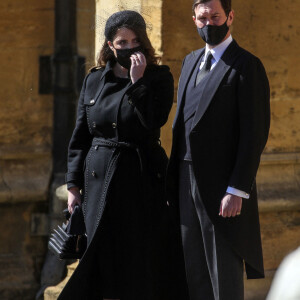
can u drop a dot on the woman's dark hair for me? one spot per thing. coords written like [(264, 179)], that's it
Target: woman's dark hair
[(106, 54), (226, 4)]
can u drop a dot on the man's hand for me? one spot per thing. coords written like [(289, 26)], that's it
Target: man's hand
[(73, 198), (231, 206)]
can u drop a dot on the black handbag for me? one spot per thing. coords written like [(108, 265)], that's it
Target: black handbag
[(69, 241)]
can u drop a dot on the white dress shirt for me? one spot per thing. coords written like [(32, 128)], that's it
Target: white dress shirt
[(217, 53)]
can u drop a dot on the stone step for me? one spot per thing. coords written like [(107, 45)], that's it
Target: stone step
[(52, 292)]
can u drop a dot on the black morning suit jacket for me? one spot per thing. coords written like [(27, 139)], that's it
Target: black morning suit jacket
[(229, 132)]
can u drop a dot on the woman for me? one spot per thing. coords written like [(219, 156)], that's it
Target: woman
[(115, 157)]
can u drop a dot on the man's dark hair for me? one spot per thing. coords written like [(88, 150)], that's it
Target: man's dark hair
[(226, 4)]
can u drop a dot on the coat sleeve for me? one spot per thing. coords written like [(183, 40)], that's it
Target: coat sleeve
[(254, 123), (79, 144), (152, 96)]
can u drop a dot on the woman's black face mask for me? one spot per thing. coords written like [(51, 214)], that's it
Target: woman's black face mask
[(213, 34), (123, 56)]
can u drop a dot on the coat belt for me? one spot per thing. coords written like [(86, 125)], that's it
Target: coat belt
[(101, 142)]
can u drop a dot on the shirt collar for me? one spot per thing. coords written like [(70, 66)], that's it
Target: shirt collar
[(218, 51)]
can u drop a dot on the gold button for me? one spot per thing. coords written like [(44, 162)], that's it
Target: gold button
[(114, 125), (92, 101)]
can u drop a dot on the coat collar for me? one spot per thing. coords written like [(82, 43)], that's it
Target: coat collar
[(108, 68), (105, 71)]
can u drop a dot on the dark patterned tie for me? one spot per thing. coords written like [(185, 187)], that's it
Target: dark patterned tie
[(205, 69)]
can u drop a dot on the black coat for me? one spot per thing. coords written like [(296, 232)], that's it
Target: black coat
[(115, 152), (229, 132)]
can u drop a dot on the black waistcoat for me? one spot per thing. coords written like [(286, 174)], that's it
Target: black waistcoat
[(187, 112)]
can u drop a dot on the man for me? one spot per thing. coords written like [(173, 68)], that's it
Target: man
[(219, 132)]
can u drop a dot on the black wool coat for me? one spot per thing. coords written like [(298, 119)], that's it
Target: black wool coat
[(229, 132), (116, 153)]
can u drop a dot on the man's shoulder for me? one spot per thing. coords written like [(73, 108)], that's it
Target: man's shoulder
[(195, 53), (192, 55), (244, 61), (245, 57)]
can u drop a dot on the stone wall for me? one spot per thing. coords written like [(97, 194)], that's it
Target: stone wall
[(26, 33), (25, 116), (86, 31), (273, 35)]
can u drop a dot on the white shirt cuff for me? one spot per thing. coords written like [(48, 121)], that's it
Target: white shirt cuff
[(236, 192)]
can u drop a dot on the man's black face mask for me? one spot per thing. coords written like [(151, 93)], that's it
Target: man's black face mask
[(123, 56), (213, 34)]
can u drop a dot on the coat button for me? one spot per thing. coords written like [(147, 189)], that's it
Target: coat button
[(92, 101), (94, 174), (94, 124), (114, 125), (130, 102)]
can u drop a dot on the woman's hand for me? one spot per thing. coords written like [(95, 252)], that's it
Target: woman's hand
[(73, 198), (138, 66)]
